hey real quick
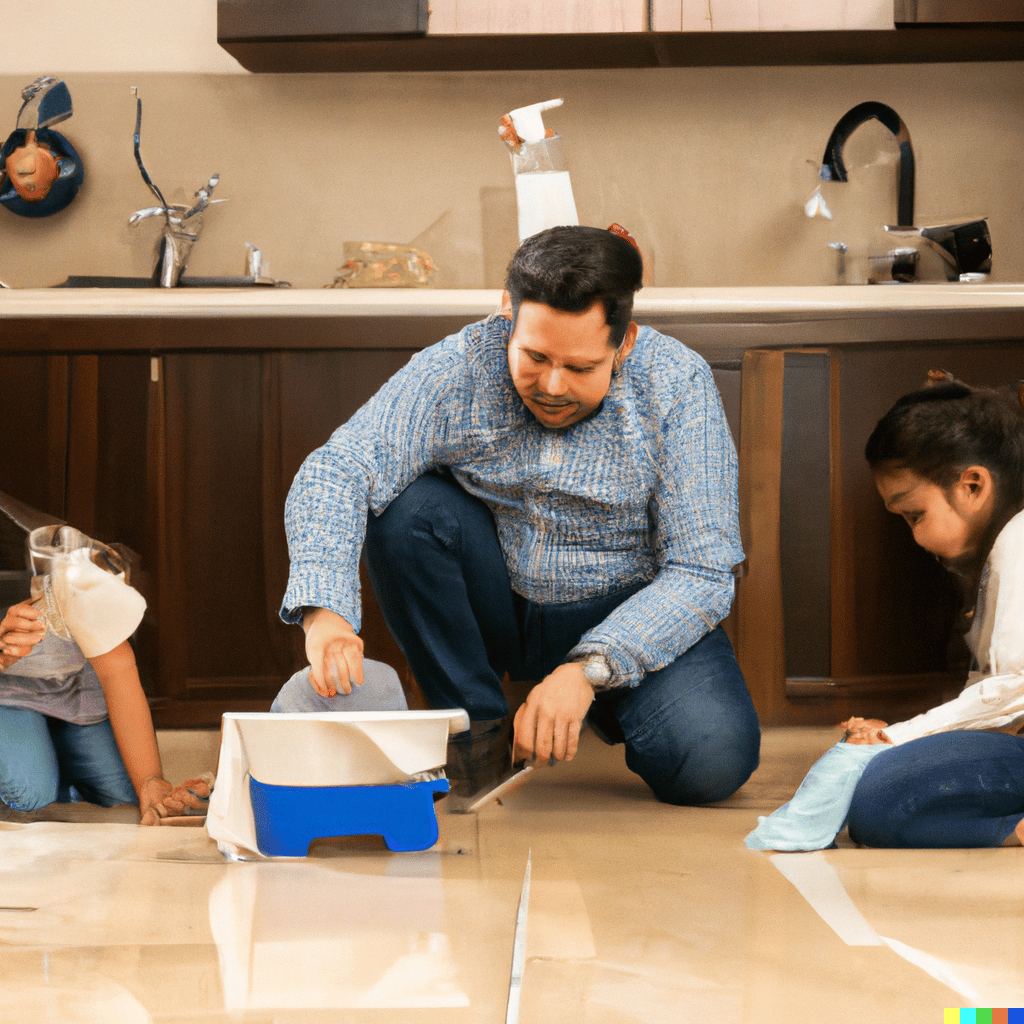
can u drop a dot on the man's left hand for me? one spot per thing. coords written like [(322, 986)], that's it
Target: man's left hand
[(549, 722)]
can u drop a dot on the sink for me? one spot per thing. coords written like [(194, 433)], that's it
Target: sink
[(183, 282)]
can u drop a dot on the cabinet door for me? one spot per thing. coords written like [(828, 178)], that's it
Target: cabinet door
[(230, 431), (841, 612), (488, 17), (74, 429), (771, 15)]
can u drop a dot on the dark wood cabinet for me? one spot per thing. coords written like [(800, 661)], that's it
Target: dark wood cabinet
[(187, 457), (178, 432), (840, 611)]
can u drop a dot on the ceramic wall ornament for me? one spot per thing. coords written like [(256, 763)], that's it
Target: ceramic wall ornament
[(40, 172)]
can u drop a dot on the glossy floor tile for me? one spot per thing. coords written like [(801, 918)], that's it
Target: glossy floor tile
[(637, 912)]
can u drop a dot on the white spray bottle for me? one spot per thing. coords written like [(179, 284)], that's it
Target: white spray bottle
[(543, 189)]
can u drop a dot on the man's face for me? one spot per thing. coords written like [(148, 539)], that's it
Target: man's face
[(561, 363)]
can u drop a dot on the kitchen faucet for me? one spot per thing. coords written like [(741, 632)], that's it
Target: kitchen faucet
[(833, 168), (964, 248)]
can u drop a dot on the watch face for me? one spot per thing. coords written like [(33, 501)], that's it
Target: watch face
[(597, 670)]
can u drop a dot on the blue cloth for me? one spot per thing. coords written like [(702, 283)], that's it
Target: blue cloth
[(951, 789), (45, 759), (642, 494), (440, 577), (819, 808)]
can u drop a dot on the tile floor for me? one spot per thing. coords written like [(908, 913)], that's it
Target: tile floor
[(637, 912)]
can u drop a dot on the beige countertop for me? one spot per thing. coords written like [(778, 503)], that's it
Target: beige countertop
[(719, 323), (474, 303)]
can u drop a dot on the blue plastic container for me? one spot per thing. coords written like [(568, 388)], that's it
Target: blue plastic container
[(289, 818)]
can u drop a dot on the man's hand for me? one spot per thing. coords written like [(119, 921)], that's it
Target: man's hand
[(549, 722), (21, 629), (864, 731), (335, 652)]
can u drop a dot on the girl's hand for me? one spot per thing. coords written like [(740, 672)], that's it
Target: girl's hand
[(864, 731), (20, 630), (159, 799), (152, 794)]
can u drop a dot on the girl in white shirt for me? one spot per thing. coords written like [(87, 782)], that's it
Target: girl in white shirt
[(950, 460)]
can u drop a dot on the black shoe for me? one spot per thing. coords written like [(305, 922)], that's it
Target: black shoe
[(478, 758), (480, 765)]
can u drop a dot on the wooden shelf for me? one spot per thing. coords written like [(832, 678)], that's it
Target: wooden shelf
[(907, 44)]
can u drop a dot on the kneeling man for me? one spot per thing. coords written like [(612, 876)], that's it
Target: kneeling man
[(549, 493)]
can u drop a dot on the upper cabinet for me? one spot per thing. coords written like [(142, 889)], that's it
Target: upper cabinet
[(490, 35), (487, 17)]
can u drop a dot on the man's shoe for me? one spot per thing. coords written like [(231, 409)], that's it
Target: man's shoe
[(480, 767)]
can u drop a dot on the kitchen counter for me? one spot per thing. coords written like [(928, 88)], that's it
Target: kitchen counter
[(715, 321)]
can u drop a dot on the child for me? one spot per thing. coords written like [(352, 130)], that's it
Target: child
[(74, 721), (950, 460)]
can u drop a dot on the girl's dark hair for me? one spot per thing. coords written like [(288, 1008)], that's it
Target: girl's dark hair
[(939, 431), (571, 268)]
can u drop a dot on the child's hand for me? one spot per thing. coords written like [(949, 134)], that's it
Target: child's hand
[(21, 629), (864, 731), (159, 799)]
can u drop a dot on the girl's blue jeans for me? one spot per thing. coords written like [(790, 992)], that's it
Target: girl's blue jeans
[(433, 558), (953, 789), (43, 759)]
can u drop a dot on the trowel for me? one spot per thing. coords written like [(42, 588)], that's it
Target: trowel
[(508, 783)]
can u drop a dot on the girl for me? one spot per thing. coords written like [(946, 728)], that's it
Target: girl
[(74, 721), (950, 460)]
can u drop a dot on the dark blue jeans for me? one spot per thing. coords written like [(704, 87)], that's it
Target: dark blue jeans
[(953, 789), (433, 558)]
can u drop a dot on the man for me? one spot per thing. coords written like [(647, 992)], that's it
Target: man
[(552, 493)]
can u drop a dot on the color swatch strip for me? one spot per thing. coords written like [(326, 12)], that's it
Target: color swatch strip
[(1008, 1015)]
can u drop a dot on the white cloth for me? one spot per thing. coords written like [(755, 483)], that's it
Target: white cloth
[(994, 695), (87, 598), (100, 610), (817, 813)]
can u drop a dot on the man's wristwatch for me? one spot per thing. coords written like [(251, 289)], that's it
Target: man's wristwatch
[(597, 670)]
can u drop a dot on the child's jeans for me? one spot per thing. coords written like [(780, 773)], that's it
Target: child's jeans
[(953, 789), (43, 759)]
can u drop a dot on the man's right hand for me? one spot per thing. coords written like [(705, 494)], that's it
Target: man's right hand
[(334, 651)]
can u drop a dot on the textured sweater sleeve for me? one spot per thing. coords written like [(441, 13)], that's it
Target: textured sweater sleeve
[(402, 432), (695, 538), (994, 695)]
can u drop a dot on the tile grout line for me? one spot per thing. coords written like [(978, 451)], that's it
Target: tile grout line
[(515, 984)]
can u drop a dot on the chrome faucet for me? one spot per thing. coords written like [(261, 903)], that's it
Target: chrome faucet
[(182, 224), (833, 168)]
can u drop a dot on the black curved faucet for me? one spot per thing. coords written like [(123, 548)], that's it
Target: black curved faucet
[(833, 168)]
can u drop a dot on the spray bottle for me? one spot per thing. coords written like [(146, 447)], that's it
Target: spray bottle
[(543, 189)]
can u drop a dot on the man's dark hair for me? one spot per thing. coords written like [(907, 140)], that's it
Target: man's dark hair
[(939, 431), (571, 268)]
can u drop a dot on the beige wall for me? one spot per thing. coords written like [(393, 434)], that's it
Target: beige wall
[(709, 167)]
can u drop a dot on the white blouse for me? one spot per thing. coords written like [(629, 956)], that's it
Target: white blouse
[(993, 698)]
